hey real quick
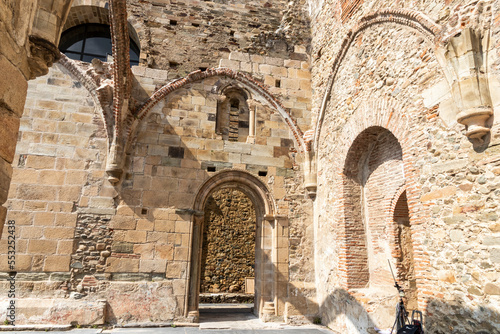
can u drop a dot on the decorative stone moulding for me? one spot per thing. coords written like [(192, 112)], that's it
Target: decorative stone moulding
[(45, 33), (43, 54), (470, 88)]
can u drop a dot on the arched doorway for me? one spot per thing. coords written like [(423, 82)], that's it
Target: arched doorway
[(266, 238), (228, 247)]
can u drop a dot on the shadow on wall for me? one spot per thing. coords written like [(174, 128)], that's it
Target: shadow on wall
[(441, 317), (452, 317)]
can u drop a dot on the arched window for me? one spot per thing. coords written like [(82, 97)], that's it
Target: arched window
[(233, 115), (93, 40)]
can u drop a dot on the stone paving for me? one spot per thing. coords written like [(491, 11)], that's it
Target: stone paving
[(224, 318)]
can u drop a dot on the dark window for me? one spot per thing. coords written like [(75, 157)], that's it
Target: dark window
[(88, 41)]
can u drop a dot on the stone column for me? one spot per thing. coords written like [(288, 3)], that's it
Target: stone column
[(193, 295), (251, 129)]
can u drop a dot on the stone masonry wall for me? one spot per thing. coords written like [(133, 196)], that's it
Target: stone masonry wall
[(391, 77), (182, 36), (138, 234), (228, 242), (14, 27)]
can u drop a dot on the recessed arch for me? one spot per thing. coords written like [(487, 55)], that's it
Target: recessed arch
[(249, 184), (405, 17), (263, 202), (245, 81)]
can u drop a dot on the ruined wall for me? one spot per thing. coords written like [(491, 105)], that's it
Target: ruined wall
[(228, 242), (182, 36), (392, 76)]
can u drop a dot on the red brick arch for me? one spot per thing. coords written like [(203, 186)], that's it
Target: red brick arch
[(387, 114)]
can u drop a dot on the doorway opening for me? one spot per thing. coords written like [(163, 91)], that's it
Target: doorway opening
[(227, 272), (233, 238)]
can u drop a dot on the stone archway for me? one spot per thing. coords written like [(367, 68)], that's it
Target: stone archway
[(266, 241)]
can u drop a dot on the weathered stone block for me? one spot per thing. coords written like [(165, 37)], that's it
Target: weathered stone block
[(51, 177), (66, 219), (9, 129), (176, 269), (13, 87), (135, 236), (122, 265), (153, 266), (440, 193), (59, 232), (42, 246), (24, 176), (164, 252), (146, 251), (44, 218), (65, 247), (36, 192), (164, 225), (57, 263), (40, 162), (31, 232)]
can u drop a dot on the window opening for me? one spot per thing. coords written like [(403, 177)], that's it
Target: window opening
[(88, 41)]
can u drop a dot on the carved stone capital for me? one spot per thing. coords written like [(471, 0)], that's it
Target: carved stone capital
[(42, 55)]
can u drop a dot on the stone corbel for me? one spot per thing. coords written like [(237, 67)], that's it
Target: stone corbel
[(115, 162), (42, 55), (466, 56), (310, 174), (310, 170)]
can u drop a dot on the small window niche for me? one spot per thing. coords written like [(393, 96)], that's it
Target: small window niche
[(233, 120)]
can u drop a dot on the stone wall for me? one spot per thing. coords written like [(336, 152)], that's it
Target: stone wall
[(182, 36), (228, 242), (14, 64), (131, 243), (392, 76)]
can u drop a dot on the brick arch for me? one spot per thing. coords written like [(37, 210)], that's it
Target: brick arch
[(265, 209), (372, 173), (258, 90), (405, 17), (389, 114)]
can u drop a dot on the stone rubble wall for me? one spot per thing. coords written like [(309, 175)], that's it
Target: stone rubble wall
[(391, 78), (228, 242), (182, 36)]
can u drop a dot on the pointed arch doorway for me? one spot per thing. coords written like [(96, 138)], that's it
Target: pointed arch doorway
[(265, 238)]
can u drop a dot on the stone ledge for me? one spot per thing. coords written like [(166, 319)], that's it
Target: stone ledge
[(46, 328)]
